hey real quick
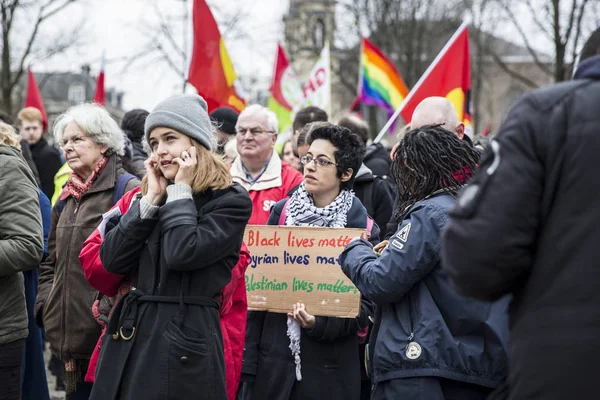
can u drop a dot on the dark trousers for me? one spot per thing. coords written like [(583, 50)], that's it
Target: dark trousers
[(429, 388), (83, 390), (11, 361), (35, 385)]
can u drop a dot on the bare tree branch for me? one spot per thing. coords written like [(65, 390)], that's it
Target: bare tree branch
[(567, 36), (512, 73), (165, 29), (11, 7), (534, 15), (61, 42), (42, 16), (575, 48), (168, 59), (524, 36)]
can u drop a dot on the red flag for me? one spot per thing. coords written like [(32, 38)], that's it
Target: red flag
[(34, 97), (486, 130), (449, 76), (285, 89), (211, 71), (100, 94), (355, 106)]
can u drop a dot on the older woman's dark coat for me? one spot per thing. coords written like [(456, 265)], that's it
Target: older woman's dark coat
[(65, 298), (164, 339)]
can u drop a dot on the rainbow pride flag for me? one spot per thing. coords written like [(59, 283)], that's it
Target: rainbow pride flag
[(380, 83)]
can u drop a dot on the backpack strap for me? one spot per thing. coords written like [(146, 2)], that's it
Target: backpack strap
[(367, 199), (120, 186), (60, 206), (283, 214)]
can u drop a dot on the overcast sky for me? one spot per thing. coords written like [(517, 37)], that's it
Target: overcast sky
[(117, 27), (120, 29)]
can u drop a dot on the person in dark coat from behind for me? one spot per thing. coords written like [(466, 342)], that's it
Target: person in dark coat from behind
[(179, 244), (133, 127), (21, 249), (427, 341), (327, 364), (528, 224)]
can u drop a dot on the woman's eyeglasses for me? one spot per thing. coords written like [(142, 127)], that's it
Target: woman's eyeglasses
[(319, 162), (76, 141)]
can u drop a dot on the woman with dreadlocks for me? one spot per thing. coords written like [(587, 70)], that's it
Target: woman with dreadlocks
[(427, 341)]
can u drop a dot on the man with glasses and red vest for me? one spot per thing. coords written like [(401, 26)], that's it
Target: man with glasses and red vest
[(268, 180), (258, 168)]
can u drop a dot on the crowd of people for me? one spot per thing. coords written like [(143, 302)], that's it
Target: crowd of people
[(124, 252)]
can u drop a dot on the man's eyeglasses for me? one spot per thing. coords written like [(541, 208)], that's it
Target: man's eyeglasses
[(319, 162), (253, 131)]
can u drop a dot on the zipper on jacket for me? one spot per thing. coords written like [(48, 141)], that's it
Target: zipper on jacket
[(410, 318)]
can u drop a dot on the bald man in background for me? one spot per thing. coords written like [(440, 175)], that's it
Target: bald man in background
[(430, 111), (438, 111)]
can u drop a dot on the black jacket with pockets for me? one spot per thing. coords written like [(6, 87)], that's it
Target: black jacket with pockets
[(185, 253)]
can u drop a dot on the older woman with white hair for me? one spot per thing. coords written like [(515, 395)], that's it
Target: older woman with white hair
[(92, 144)]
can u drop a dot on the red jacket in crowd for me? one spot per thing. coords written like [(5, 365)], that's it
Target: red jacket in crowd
[(272, 186), (234, 304)]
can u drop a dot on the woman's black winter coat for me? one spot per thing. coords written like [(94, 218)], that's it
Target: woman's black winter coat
[(180, 261)]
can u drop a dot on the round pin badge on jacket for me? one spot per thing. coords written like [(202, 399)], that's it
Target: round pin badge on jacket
[(413, 350)]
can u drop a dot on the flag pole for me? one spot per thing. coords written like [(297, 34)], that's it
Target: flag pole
[(420, 81), (360, 69), (329, 77)]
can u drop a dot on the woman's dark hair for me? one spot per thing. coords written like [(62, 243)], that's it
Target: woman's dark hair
[(350, 150), (430, 159)]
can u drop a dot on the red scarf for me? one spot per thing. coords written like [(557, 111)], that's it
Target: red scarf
[(463, 175), (76, 186)]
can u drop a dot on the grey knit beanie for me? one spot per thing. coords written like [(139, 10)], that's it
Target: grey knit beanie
[(185, 113)]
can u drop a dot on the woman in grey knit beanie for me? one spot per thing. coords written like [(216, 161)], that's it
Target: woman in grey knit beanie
[(179, 244)]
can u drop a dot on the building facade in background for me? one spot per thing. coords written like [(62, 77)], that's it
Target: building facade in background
[(309, 23), (61, 90)]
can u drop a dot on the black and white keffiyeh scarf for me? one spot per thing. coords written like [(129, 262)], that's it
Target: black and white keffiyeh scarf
[(301, 211)]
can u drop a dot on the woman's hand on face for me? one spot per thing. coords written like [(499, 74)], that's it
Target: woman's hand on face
[(187, 167), (299, 313), (157, 183)]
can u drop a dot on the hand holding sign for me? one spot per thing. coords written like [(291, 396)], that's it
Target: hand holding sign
[(300, 265), (305, 320)]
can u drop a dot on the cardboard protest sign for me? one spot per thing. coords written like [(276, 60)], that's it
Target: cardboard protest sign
[(300, 264)]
